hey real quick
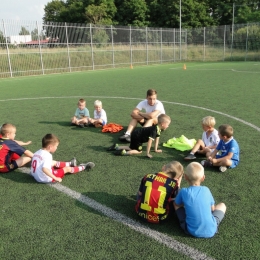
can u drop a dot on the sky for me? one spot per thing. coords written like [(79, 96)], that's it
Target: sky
[(22, 10)]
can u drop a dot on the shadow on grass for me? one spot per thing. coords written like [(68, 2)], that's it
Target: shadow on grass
[(61, 123), (126, 205), (17, 176)]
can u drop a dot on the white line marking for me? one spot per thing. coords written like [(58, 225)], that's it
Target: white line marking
[(159, 237)]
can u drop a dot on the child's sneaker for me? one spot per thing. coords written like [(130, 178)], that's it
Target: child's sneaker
[(190, 157), (206, 163), (120, 152), (125, 137), (88, 165), (222, 168), (112, 147), (73, 162)]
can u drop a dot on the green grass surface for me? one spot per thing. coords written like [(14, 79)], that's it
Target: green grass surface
[(39, 222)]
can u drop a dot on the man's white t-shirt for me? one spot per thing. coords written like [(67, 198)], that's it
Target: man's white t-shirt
[(41, 158), (148, 109)]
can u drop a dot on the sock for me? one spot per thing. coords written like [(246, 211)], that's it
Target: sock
[(192, 153), (77, 169), (127, 133), (116, 147), (61, 164)]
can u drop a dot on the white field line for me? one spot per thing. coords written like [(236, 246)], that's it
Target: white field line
[(159, 237), (164, 239), (128, 98)]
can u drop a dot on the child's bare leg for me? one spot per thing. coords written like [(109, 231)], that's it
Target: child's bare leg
[(224, 162), (221, 206), (122, 147), (130, 152), (22, 161), (198, 146)]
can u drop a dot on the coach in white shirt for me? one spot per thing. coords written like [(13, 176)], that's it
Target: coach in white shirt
[(152, 107)]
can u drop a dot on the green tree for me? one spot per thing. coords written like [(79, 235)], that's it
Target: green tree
[(24, 31), (53, 10), (96, 14), (2, 38), (132, 12)]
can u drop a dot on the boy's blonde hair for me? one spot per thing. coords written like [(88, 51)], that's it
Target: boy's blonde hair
[(174, 168), (7, 128), (209, 121), (49, 139), (98, 103), (226, 130), (194, 171), (163, 118), (82, 100)]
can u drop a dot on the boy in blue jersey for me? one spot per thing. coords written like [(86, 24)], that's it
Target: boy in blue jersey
[(226, 154), (157, 192), (81, 117), (195, 206)]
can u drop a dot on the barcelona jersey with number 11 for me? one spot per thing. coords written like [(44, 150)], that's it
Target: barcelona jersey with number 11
[(157, 190)]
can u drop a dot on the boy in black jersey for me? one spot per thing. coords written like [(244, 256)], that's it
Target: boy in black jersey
[(144, 135)]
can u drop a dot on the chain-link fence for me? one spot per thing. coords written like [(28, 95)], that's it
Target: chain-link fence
[(32, 48)]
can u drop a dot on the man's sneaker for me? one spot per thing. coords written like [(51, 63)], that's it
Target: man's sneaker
[(128, 139), (190, 157), (206, 163), (73, 162), (120, 152), (81, 125), (222, 168), (112, 147), (123, 137), (88, 165)]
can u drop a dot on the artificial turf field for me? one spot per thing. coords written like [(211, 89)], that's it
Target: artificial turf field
[(91, 215)]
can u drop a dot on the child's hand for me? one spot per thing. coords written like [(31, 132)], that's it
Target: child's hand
[(149, 155), (58, 179), (158, 151)]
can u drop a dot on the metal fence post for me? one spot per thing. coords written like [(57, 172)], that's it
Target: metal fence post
[(91, 43), (68, 48), (112, 41), (224, 43), (131, 51), (246, 41), (161, 45), (146, 38), (174, 44), (204, 36), (40, 47), (7, 50)]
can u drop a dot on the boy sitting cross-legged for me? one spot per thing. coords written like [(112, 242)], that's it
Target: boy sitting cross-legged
[(157, 192), (195, 206), (143, 135), (45, 170)]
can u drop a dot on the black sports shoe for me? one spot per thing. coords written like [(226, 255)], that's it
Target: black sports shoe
[(73, 162), (206, 163), (88, 165), (190, 157), (112, 147)]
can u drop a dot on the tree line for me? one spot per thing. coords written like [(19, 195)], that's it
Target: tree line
[(152, 13)]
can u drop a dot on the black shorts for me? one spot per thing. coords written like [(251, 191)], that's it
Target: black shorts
[(135, 143)]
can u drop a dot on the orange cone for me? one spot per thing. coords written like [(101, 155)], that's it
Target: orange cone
[(184, 66)]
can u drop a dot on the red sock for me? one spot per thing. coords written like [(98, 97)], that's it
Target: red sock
[(61, 164), (77, 169)]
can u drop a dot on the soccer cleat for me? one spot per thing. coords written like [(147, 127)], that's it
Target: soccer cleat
[(73, 162), (112, 147), (88, 165), (190, 157), (222, 168), (206, 163), (120, 152)]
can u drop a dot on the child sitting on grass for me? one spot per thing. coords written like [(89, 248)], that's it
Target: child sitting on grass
[(45, 170), (195, 205), (81, 116), (209, 139), (143, 135), (226, 154), (100, 116), (157, 191), (10, 151)]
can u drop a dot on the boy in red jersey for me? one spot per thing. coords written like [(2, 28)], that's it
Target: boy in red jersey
[(157, 192), (11, 150)]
